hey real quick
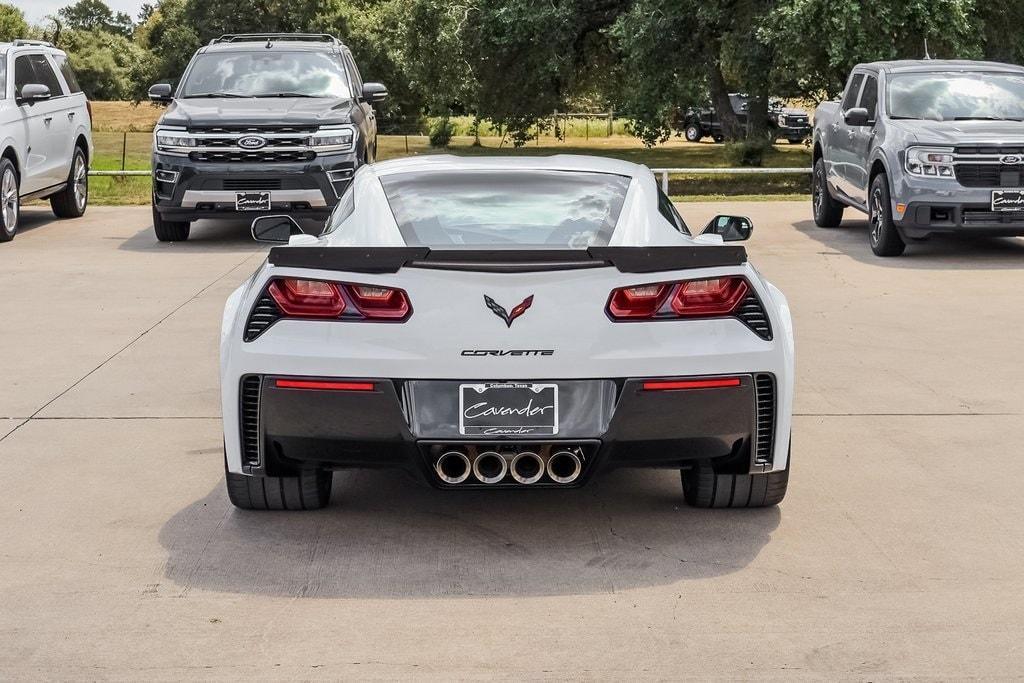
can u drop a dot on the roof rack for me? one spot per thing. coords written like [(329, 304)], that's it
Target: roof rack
[(37, 43), (270, 37)]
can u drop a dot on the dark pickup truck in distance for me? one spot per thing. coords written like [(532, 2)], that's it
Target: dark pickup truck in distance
[(260, 124), (784, 122)]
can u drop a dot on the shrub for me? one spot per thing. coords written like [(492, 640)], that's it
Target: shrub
[(747, 152), (441, 132)]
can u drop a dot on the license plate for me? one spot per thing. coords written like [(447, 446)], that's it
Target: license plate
[(1008, 200), (252, 201), (508, 409)]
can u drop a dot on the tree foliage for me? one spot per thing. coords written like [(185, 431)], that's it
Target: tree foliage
[(96, 16), (12, 23)]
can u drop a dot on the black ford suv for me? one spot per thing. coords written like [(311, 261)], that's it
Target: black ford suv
[(260, 123)]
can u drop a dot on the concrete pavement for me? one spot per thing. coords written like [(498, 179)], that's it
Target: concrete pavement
[(896, 554)]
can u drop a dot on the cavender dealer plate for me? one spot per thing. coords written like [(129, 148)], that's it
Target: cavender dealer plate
[(508, 409)]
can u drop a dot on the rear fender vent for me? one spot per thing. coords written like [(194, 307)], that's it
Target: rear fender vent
[(249, 405), (264, 314), (753, 315), (764, 440)]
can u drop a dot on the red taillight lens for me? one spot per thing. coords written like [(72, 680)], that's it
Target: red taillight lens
[(676, 385), (379, 302), (717, 296), (323, 385), (307, 298), (637, 302), (672, 300)]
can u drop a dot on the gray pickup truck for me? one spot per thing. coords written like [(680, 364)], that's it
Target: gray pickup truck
[(923, 147)]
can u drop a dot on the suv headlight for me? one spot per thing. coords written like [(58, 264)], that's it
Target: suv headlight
[(333, 138), (930, 162), (173, 140), (782, 120)]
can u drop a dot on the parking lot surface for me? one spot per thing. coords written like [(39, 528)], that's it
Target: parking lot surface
[(897, 553)]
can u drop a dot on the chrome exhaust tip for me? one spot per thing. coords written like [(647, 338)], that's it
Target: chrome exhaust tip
[(452, 467), (489, 467), (564, 467), (527, 468)]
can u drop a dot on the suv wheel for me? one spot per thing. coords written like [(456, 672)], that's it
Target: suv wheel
[(828, 213), (10, 202), (169, 231), (885, 239), (72, 200), (692, 133)]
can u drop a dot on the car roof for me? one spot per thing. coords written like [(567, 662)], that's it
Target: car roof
[(274, 46), (555, 162), (33, 47), (933, 65)]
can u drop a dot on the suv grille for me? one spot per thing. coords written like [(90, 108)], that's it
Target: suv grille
[(989, 175), (245, 184), (264, 314), (753, 315), (764, 441), (264, 155), (250, 420)]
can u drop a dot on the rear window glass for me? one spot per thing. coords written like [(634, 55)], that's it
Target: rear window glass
[(67, 72), (510, 209)]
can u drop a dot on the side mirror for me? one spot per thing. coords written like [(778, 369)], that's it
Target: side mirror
[(161, 92), (375, 92), (730, 228), (858, 116), (34, 92), (276, 229)]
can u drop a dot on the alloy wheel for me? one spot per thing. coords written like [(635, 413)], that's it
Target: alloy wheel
[(816, 194), (9, 200), (876, 216), (80, 180)]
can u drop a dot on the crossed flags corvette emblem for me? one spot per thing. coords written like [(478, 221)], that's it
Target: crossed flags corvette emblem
[(508, 316)]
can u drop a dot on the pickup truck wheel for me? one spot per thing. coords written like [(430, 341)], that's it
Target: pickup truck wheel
[(885, 239), (72, 200), (703, 488), (692, 133), (828, 213), (10, 201), (719, 138), (169, 231), (308, 491)]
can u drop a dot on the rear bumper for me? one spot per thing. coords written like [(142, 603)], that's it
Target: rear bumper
[(283, 429), (189, 190)]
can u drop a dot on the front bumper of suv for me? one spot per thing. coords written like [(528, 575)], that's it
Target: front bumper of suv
[(186, 190), (934, 206)]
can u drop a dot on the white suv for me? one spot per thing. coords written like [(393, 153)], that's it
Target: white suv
[(45, 133)]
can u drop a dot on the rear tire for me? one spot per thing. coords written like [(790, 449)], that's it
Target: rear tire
[(828, 213), (703, 488), (169, 231), (10, 200), (309, 491), (885, 238), (72, 201), (692, 133)]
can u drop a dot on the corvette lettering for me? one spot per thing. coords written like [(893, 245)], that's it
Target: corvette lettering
[(510, 352)]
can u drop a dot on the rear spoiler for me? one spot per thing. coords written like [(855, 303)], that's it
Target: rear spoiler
[(393, 259)]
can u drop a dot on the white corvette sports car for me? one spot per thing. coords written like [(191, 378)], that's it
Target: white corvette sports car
[(506, 322)]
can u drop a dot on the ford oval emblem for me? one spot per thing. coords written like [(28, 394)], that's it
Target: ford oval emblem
[(1010, 159), (252, 142)]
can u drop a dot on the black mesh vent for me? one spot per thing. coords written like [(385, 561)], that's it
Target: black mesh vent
[(753, 315), (974, 216), (247, 184), (989, 175), (250, 420), (267, 155), (264, 314), (764, 441)]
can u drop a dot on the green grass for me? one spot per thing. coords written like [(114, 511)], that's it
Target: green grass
[(131, 150)]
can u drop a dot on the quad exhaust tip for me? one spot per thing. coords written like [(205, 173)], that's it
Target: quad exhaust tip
[(527, 467), (564, 467), (489, 467), (453, 467)]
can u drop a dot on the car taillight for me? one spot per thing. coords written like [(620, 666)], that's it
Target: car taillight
[(301, 298), (704, 298), (379, 302)]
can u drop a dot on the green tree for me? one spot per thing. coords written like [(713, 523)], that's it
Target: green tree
[(95, 15), (104, 62), (12, 23)]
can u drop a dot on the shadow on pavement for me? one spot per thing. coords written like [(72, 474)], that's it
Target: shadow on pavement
[(388, 535), (208, 236), (945, 252), (37, 216)]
